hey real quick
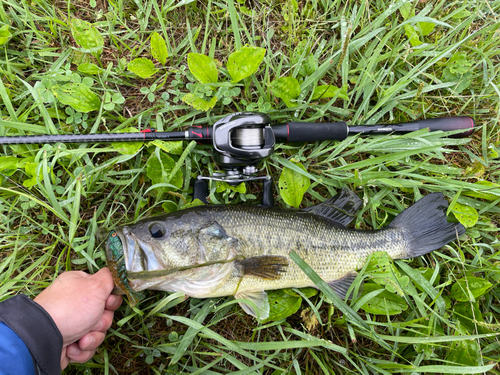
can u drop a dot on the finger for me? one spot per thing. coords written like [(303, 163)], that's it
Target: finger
[(105, 322), (102, 283), (64, 362), (64, 359), (113, 302), (91, 341), (75, 354)]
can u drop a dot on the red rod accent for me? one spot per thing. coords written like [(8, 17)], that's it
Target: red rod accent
[(144, 133)]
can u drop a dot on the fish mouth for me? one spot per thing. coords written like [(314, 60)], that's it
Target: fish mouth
[(116, 252), (138, 254)]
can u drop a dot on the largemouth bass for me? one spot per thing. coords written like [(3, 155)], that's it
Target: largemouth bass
[(221, 250)]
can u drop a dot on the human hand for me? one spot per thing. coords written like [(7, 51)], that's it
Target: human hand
[(82, 308)]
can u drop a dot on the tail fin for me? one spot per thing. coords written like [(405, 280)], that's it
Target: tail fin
[(426, 225)]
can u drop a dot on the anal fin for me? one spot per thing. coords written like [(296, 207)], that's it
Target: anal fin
[(266, 266), (341, 286), (259, 298)]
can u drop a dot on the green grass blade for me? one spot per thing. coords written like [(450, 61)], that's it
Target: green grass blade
[(442, 369), (192, 332), (215, 336)]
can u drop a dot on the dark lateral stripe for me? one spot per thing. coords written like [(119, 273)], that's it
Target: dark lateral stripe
[(143, 275)]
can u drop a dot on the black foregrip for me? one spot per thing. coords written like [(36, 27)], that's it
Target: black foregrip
[(449, 123), (310, 131)]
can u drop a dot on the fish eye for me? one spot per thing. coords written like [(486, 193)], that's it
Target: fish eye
[(156, 230)]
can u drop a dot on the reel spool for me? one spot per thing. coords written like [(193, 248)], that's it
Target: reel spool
[(242, 139), (248, 138)]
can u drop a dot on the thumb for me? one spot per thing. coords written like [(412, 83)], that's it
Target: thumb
[(103, 281)]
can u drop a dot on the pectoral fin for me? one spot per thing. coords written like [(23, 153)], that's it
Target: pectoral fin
[(257, 298), (341, 286), (267, 266)]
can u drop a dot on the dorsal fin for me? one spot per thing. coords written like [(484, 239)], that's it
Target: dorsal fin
[(341, 208)]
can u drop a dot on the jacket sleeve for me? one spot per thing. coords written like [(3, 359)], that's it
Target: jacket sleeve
[(37, 330), (15, 358)]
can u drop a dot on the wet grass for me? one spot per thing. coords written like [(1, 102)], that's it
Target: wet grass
[(55, 199)]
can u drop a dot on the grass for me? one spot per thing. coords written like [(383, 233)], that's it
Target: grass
[(55, 199)]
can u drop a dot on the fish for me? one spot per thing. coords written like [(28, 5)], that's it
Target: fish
[(243, 250)]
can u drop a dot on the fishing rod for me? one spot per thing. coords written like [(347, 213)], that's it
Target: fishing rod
[(242, 139), (249, 124)]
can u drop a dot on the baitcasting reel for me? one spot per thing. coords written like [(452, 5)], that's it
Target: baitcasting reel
[(240, 141)]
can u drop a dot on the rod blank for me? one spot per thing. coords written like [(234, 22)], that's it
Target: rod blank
[(92, 138)]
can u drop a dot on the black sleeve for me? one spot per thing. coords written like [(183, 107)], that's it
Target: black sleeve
[(37, 329)]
